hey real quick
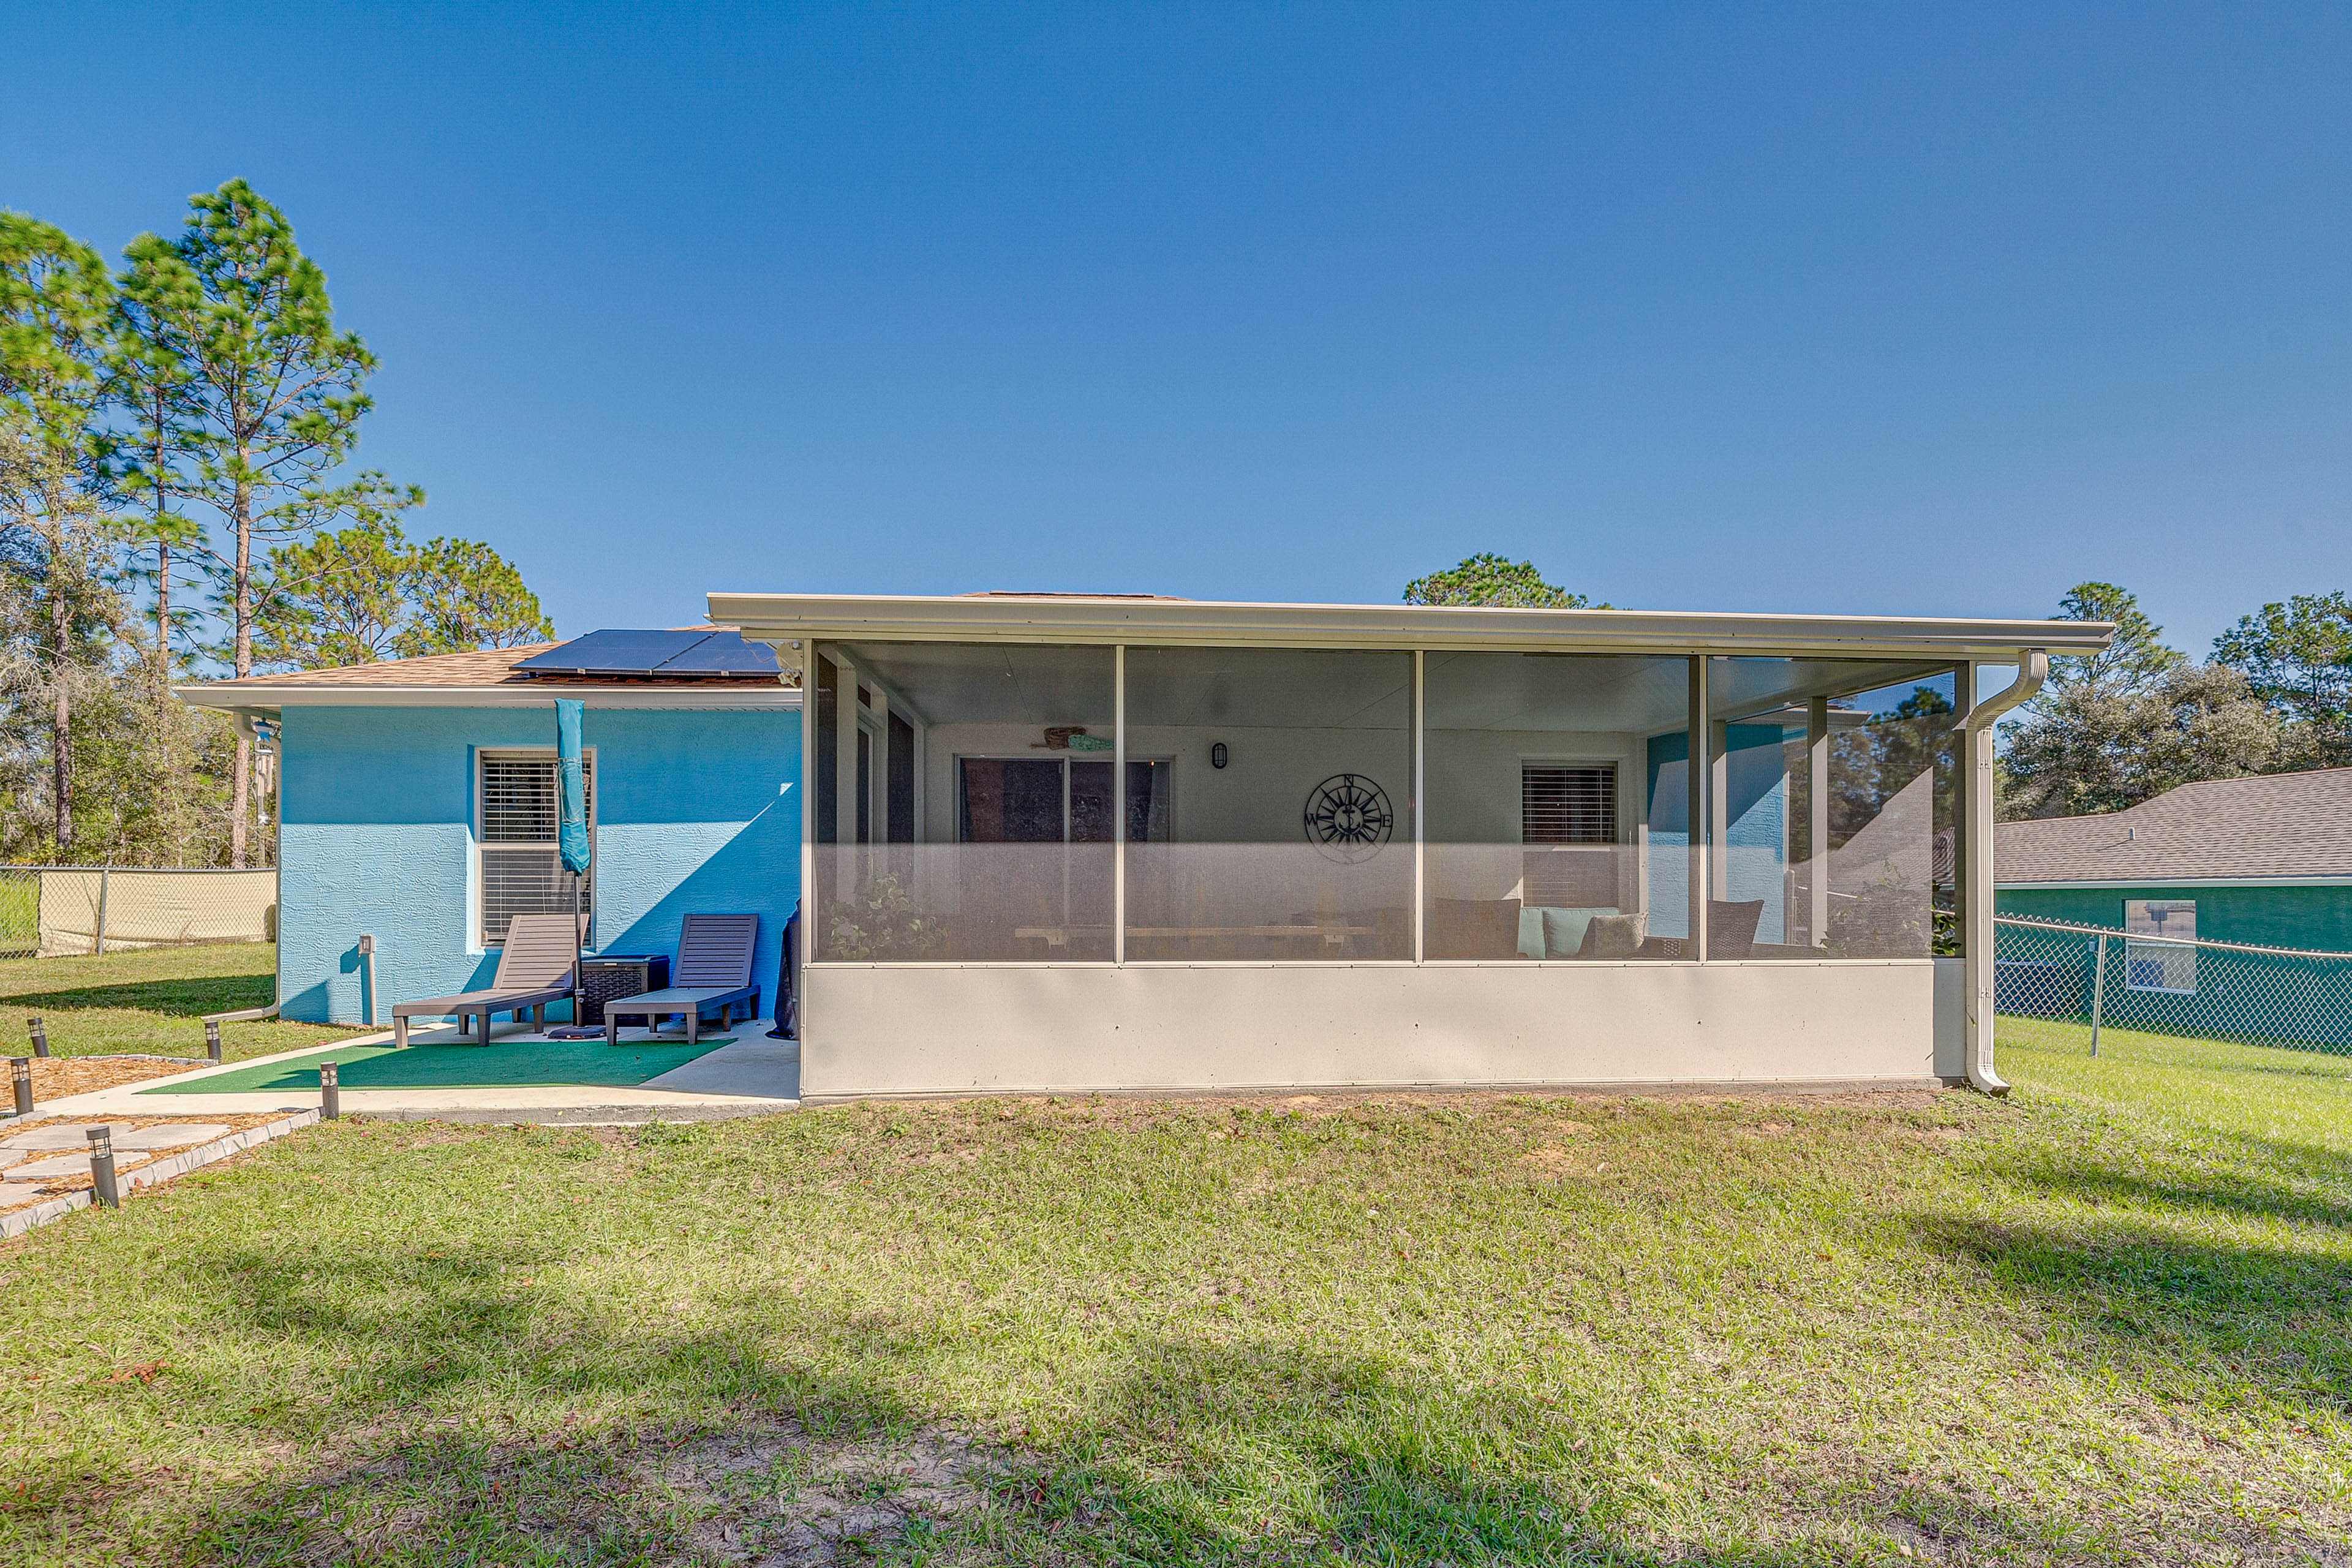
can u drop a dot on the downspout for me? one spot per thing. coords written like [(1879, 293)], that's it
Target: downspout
[(1976, 896)]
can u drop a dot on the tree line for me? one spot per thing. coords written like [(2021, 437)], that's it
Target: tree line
[(176, 498), (2113, 729)]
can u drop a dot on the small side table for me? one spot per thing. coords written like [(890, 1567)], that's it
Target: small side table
[(610, 976)]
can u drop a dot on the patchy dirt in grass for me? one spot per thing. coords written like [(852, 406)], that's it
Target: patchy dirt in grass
[(765, 1493), (1123, 1109), (1554, 1160), (54, 1077), (780, 1499)]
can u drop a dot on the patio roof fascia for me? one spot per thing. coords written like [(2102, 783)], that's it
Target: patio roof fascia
[(780, 617)]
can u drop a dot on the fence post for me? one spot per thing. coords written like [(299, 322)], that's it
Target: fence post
[(105, 881), (2098, 990)]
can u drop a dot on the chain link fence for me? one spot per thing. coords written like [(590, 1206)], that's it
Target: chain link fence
[(53, 912), (2112, 979)]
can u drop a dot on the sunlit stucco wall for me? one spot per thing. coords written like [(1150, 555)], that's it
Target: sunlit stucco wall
[(696, 810)]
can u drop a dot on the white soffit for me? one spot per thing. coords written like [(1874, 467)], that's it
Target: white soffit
[(1014, 618)]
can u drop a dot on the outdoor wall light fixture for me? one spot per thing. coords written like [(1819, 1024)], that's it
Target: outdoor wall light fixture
[(1219, 756)]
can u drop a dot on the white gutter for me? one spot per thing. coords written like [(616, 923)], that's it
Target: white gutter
[(1976, 897)]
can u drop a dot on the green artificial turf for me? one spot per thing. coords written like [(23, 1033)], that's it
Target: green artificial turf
[(501, 1063), (2108, 1320)]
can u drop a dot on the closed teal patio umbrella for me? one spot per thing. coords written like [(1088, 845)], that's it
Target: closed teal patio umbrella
[(571, 820)]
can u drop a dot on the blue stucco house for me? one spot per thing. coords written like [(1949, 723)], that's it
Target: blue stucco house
[(417, 806), (1076, 843)]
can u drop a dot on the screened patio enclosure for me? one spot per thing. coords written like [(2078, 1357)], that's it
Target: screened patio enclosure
[(1130, 844)]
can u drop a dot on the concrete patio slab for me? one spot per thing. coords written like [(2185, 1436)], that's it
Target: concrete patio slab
[(754, 1076)]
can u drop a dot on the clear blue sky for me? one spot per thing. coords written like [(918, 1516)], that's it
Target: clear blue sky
[(1904, 309)]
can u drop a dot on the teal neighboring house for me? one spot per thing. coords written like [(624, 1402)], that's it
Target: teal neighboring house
[(2266, 861), (417, 806)]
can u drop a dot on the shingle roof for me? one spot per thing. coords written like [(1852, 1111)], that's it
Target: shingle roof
[(486, 667), (2278, 824)]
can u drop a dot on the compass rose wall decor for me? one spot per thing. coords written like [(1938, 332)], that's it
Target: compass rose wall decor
[(1349, 818)]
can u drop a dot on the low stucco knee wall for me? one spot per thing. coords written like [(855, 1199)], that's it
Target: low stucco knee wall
[(946, 1029)]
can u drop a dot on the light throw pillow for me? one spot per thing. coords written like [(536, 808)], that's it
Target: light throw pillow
[(1564, 929), (1532, 932)]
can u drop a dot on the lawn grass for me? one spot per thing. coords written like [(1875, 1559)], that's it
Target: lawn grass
[(150, 1002), (2108, 1320)]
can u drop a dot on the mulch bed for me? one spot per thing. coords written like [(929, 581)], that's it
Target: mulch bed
[(54, 1077)]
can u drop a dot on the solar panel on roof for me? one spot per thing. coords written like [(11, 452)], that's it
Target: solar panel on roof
[(723, 653), (613, 653)]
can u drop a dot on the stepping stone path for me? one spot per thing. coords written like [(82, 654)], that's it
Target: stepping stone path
[(51, 1168), (72, 1135), (15, 1192), (174, 1135), (73, 1143)]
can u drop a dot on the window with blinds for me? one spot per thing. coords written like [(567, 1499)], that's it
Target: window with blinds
[(1562, 805), (522, 864), (1565, 804)]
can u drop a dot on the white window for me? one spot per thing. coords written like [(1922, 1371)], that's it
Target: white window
[(520, 865), (1570, 809), (2157, 951)]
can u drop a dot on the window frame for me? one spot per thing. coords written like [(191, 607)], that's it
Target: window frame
[(2171, 955), (479, 842)]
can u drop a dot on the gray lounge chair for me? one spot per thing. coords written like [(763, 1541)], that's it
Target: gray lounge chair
[(713, 970), (534, 969)]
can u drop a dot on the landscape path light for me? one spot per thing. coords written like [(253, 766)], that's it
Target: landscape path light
[(101, 1167)]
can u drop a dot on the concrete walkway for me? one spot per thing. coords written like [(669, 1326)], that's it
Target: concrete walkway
[(753, 1077)]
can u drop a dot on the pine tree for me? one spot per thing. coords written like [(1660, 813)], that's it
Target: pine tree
[(272, 394), (55, 295)]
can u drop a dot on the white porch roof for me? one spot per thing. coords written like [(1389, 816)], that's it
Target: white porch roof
[(1135, 618)]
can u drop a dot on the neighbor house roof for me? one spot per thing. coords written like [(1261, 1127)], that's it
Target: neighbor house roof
[(487, 677), (2279, 827), (1120, 618)]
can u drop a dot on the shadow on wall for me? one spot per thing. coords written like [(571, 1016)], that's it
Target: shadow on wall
[(756, 871)]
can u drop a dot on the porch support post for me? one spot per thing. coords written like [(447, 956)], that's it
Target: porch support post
[(845, 788), (1118, 804), (1817, 821), (1420, 800), (1718, 808), (808, 901), (1976, 862), (1701, 809)]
